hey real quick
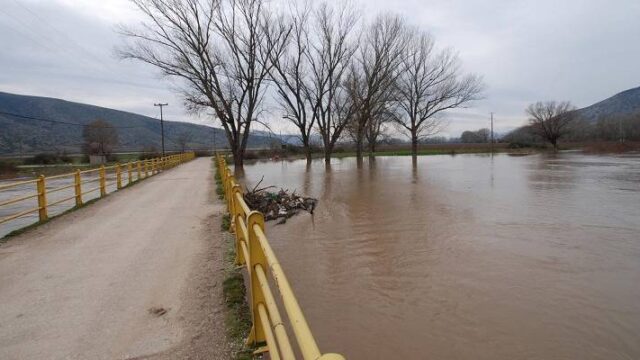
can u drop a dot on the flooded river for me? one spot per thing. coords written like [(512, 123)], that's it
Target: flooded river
[(466, 257)]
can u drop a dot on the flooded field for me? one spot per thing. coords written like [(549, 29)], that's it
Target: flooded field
[(90, 183), (466, 257)]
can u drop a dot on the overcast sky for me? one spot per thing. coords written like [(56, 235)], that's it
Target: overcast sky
[(581, 51)]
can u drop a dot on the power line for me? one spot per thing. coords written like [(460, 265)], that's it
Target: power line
[(60, 121)]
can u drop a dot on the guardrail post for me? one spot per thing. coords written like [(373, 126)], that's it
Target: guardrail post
[(139, 168), (41, 187), (103, 182), (78, 187), (146, 168), (129, 173), (234, 212), (256, 256), (118, 177)]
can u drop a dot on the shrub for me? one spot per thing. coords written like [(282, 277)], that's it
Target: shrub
[(8, 167), (49, 159)]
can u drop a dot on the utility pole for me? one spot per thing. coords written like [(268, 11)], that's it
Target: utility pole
[(161, 123), (492, 132), (215, 146)]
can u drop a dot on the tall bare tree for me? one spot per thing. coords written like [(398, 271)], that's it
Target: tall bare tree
[(375, 128), (551, 120), (374, 73), (219, 49), (183, 139), (329, 53), (291, 76), (430, 83), (100, 138)]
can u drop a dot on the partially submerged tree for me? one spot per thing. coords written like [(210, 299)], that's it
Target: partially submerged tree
[(329, 53), (100, 138), (374, 72), (430, 83), (219, 49), (291, 78), (551, 120)]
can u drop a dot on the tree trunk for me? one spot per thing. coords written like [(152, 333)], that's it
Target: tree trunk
[(414, 144), (359, 150), (238, 156), (307, 153)]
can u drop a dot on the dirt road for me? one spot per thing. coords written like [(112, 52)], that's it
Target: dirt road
[(135, 275)]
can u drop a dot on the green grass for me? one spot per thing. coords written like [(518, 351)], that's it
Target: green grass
[(238, 316)]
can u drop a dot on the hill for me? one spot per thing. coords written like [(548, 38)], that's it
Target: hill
[(621, 104), (48, 124)]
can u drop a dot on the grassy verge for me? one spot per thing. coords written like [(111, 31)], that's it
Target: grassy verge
[(238, 316)]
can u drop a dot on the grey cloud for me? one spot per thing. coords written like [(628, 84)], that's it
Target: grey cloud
[(582, 51)]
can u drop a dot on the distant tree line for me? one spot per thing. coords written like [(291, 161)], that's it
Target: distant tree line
[(552, 122), (333, 74)]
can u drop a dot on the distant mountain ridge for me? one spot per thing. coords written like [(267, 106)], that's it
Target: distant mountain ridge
[(623, 103), (26, 134)]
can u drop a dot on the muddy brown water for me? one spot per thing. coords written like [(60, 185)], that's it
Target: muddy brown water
[(466, 257)]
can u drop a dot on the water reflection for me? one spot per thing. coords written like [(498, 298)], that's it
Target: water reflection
[(466, 257)]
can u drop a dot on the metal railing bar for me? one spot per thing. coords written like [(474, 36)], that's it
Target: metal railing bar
[(268, 333), (60, 176), (274, 314), (15, 216), (90, 191), (299, 324), (60, 188), (14, 184), (61, 201), (15, 200)]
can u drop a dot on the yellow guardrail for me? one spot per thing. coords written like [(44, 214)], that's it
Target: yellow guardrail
[(130, 172), (253, 250)]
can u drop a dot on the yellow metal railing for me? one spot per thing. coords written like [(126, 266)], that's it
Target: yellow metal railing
[(253, 250), (131, 172)]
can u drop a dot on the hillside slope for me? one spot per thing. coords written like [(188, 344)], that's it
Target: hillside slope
[(624, 103), (28, 135)]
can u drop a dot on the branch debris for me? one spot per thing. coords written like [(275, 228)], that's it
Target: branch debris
[(278, 205)]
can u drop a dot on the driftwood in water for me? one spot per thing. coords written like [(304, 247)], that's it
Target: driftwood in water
[(278, 205)]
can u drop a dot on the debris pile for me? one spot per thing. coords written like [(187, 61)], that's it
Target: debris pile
[(278, 205)]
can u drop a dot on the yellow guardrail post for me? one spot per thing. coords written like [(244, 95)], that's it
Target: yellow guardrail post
[(103, 182), (234, 212), (118, 177), (78, 187), (73, 180), (41, 187), (256, 257)]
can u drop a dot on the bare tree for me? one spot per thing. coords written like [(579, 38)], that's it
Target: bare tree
[(219, 49), (291, 76), (374, 73), (183, 140), (429, 84), (375, 128), (100, 138), (329, 53), (550, 120)]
